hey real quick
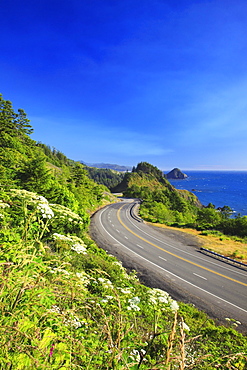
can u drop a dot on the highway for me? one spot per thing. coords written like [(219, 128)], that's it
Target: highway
[(218, 288)]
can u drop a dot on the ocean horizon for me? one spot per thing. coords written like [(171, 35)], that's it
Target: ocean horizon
[(219, 187)]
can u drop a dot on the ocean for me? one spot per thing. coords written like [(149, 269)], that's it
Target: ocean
[(222, 188)]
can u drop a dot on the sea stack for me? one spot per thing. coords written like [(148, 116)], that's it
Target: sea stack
[(176, 173)]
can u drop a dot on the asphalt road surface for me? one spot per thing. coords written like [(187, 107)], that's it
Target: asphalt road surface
[(172, 265)]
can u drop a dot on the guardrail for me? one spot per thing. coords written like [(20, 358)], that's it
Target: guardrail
[(133, 211), (224, 258)]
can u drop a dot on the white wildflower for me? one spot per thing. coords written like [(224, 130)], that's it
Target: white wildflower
[(62, 212), (133, 302), (78, 248), (4, 205), (55, 309), (45, 210), (158, 296), (107, 299), (184, 326), (57, 236), (125, 290), (107, 284), (63, 271), (174, 306), (42, 199), (135, 355), (73, 322), (83, 278)]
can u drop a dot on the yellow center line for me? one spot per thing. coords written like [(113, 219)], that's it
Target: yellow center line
[(173, 254)]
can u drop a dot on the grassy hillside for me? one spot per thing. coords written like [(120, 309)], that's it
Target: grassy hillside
[(66, 304)]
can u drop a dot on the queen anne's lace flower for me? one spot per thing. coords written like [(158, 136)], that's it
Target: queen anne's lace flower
[(174, 306), (57, 270), (4, 205), (57, 236), (73, 322), (107, 284), (64, 212), (54, 309), (162, 299), (158, 296), (133, 302), (125, 290), (78, 248), (45, 210)]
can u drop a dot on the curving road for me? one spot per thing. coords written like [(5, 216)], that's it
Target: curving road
[(218, 288)]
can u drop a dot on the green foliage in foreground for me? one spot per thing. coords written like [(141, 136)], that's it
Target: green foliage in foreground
[(66, 304)]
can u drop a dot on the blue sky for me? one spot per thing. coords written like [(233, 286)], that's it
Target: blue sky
[(132, 80)]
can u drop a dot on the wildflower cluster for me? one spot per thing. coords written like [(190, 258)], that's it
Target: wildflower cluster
[(160, 298), (26, 195), (75, 243), (59, 270), (63, 212), (107, 284), (78, 248), (133, 304), (84, 278), (107, 298), (4, 205), (67, 318), (45, 210), (57, 236)]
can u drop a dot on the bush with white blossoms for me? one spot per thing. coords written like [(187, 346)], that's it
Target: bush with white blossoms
[(76, 244), (30, 198), (57, 236), (62, 212), (45, 210), (78, 248), (162, 300)]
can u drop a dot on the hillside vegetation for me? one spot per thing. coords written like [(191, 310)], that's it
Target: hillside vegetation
[(66, 304), (162, 203), (104, 176)]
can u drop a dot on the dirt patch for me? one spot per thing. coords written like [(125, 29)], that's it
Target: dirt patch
[(222, 245)]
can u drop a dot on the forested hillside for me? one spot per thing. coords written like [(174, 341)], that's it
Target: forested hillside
[(66, 304), (107, 177), (162, 203), (33, 166)]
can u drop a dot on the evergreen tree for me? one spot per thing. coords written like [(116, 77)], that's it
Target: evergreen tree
[(7, 117), (22, 123)]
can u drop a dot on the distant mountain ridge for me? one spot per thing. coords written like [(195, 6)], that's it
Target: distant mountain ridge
[(109, 166)]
